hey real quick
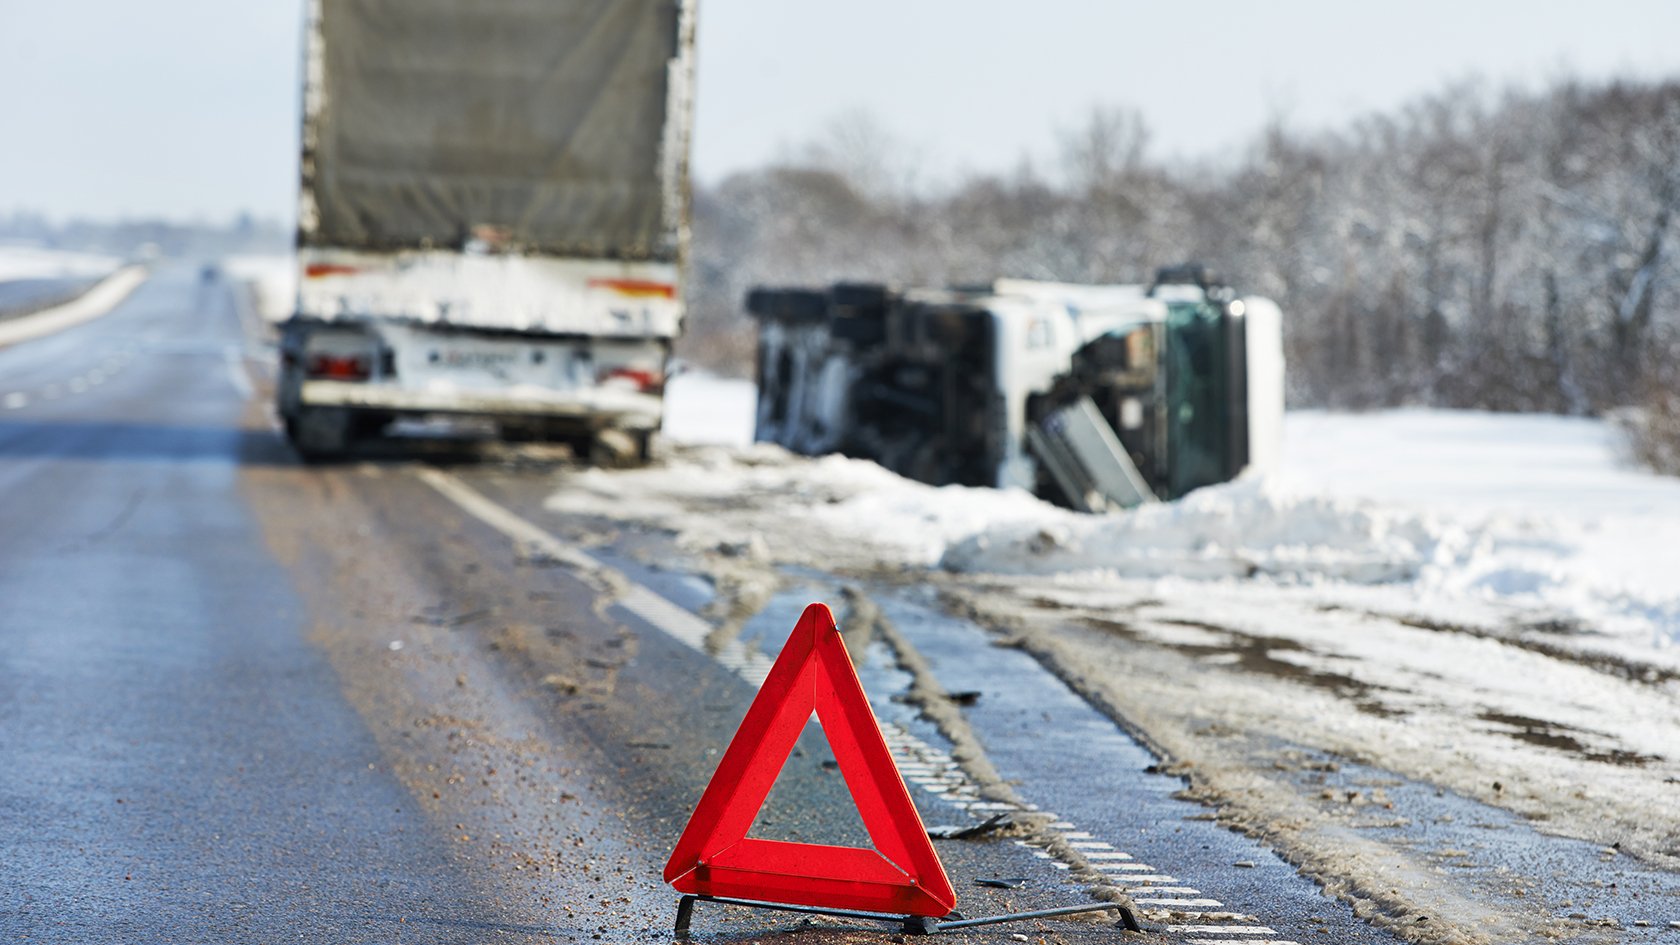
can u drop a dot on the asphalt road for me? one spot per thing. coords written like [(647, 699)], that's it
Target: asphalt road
[(246, 700)]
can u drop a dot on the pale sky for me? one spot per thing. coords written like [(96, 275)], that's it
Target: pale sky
[(188, 108)]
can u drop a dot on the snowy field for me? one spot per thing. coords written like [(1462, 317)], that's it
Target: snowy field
[(36, 262)]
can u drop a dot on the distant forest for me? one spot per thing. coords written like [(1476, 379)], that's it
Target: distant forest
[(1504, 250)]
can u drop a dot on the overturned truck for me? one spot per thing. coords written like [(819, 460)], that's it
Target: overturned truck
[(1096, 397)]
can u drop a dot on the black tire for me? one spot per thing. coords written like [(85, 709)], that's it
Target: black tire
[(321, 434)]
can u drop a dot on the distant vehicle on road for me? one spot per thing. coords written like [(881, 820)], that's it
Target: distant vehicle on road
[(1098, 397), (492, 219)]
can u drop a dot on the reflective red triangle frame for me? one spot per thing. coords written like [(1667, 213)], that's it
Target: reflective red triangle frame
[(715, 857)]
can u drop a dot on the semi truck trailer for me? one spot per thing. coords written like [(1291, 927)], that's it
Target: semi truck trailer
[(492, 219)]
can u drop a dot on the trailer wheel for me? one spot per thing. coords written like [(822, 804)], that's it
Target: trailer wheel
[(321, 433)]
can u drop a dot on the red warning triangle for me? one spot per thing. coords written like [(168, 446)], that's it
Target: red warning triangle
[(715, 857)]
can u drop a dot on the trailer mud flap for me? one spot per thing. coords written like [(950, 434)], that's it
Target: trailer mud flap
[(1086, 460)]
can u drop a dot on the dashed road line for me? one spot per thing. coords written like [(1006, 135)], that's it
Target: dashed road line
[(922, 764), (1175, 903)]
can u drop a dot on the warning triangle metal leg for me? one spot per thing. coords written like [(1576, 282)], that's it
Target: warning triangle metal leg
[(908, 924)]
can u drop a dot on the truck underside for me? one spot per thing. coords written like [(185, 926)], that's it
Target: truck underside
[(1093, 397), (346, 381)]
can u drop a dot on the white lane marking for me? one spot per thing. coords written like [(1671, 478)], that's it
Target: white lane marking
[(753, 666), (237, 375), (1239, 941), (15, 400), (1178, 902), (1176, 890), (530, 538)]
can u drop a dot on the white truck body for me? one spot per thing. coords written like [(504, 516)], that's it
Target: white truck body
[(492, 217)]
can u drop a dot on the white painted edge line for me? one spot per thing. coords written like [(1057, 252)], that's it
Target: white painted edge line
[(753, 666), (97, 301)]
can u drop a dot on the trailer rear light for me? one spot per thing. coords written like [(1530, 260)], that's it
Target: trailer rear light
[(321, 270), (638, 379), (636, 288), (352, 367)]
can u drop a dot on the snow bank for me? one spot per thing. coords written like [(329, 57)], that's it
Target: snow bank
[(95, 302), (37, 262), (1241, 529), (273, 279), (830, 511), (1539, 515)]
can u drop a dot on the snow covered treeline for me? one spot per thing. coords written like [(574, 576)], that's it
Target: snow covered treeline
[(1510, 250)]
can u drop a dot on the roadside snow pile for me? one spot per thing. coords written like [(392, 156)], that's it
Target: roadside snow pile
[(831, 511), (1574, 527), (1432, 510), (1240, 529), (273, 280), (38, 262)]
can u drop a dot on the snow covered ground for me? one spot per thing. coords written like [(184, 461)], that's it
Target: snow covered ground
[(18, 261)]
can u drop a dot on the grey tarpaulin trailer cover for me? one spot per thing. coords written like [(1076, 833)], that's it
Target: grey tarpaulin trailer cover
[(537, 122), (492, 220)]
